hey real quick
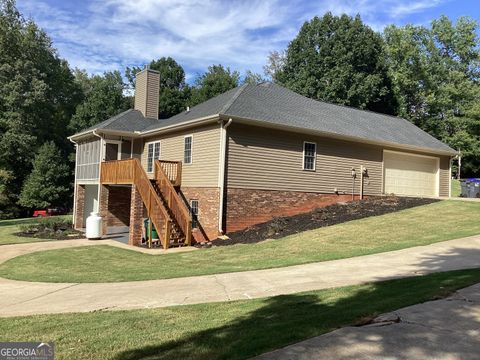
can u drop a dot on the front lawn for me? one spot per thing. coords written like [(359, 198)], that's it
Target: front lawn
[(422, 225), (8, 228), (228, 330)]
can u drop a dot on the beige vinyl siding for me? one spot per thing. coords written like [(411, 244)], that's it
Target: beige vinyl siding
[(203, 171), (147, 93), (272, 160), (444, 176), (140, 92)]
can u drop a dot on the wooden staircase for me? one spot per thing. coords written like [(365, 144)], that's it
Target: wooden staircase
[(166, 209)]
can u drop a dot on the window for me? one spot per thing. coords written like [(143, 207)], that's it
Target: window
[(309, 155), (153, 153), (194, 213), (187, 150)]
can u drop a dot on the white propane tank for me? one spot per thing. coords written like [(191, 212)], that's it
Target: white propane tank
[(94, 226)]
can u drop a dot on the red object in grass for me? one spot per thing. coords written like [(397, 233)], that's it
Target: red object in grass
[(49, 212)]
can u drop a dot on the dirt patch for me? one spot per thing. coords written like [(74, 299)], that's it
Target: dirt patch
[(321, 217)]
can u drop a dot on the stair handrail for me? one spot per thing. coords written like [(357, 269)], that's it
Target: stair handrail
[(176, 204), (142, 183)]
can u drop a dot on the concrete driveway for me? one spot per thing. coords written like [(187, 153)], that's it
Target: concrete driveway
[(27, 298), (442, 330)]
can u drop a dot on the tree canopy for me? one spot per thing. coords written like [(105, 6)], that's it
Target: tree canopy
[(48, 183), (215, 81), (174, 91), (436, 72), (102, 98), (337, 59), (38, 95)]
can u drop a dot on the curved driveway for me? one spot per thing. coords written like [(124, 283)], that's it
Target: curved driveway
[(27, 298)]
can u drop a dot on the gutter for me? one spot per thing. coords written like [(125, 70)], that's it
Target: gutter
[(75, 184), (221, 170), (139, 134)]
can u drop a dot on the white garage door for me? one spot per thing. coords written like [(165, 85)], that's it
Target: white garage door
[(407, 174)]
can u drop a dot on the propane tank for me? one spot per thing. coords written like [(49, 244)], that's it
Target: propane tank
[(94, 226)]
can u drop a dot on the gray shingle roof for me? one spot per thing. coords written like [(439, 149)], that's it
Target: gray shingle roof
[(276, 105), (129, 121)]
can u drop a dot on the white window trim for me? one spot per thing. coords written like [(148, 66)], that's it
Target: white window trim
[(153, 160), (198, 211), (303, 156), (191, 151)]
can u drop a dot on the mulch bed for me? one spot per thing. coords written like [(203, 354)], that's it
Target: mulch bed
[(54, 235), (326, 216)]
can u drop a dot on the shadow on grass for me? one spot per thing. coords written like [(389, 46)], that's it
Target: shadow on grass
[(286, 319)]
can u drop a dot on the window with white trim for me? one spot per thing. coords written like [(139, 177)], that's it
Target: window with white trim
[(187, 149), (194, 213), (309, 155), (153, 153)]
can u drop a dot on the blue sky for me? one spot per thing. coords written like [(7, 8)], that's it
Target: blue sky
[(104, 35)]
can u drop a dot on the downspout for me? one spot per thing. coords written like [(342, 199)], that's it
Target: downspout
[(221, 171), (94, 132), (75, 184)]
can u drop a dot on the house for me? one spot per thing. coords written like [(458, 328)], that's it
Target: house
[(241, 158)]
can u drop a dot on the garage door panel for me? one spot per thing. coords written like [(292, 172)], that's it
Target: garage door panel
[(410, 175)]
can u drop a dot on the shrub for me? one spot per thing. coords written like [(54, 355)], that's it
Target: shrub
[(47, 224)]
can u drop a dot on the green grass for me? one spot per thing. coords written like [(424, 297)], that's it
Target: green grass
[(234, 330), (9, 227), (417, 226), (456, 190)]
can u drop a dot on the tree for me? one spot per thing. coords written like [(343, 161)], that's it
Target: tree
[(253, 78), (215, 81), (48, 183), (103, 98), (174, 92), (341, 60), (275, 64), (436, 71), (38, 95)]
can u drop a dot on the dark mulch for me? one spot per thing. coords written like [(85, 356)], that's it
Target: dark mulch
[(329, 215), (71, 235)]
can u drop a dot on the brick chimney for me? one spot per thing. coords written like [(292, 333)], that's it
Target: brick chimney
[(147, 86)]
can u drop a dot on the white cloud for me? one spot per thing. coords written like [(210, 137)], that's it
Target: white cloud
[(111, 34)]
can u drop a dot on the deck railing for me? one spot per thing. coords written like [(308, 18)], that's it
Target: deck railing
[(130, 171), (175, 203), (173, 171)]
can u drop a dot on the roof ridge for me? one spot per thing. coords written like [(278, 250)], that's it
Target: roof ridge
[(230, 102), (114, 118), (343, 105), (348, 107)]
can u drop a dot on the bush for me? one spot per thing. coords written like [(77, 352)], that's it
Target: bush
[(47, 225)]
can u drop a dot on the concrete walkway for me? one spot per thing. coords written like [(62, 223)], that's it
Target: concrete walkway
[(442, 330), (26, 298)]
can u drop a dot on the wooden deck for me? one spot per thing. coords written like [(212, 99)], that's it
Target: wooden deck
[(165, 207)]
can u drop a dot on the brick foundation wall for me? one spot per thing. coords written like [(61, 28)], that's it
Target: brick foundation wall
[(119, 206), (247, 207), (208, 203), (103, 206), (79, 206), (136, 217)]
